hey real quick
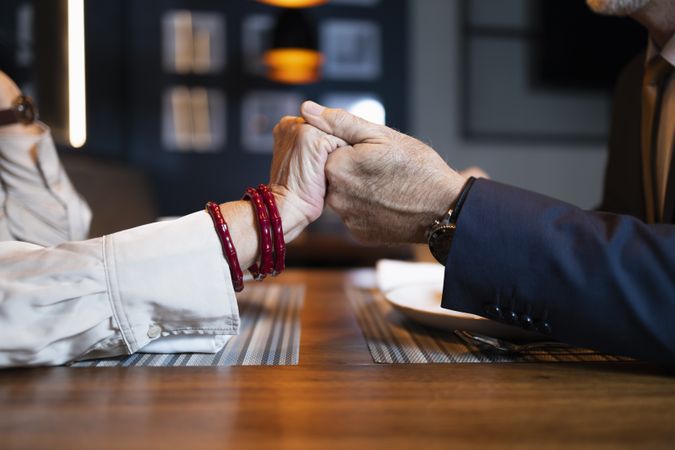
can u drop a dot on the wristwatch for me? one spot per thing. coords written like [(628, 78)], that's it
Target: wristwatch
[(441, 232), (22, 111)]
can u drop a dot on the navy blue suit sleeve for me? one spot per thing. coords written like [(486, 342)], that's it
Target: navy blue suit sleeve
[(597, 280)]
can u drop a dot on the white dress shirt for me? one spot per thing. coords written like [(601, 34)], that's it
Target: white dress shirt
[(39, 204), (164, 284)]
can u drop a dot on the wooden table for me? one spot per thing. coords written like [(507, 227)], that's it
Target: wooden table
[(338, 398)]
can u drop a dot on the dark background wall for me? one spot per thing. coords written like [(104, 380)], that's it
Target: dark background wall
[(526, 128), (467, 108), (126, 81)]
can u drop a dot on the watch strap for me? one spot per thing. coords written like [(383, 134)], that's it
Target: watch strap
[(442, 232), (460, 201)]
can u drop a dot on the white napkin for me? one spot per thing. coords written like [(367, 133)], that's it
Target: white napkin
[(392, 274), (188, 343)]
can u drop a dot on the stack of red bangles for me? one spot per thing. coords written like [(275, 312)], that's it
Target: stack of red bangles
[(272, 244)]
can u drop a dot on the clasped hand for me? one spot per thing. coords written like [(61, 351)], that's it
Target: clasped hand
[(386, 186)]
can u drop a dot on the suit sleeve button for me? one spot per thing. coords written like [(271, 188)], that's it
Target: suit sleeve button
[(512, 318), (545, 328), (493, 311), (527, 322)]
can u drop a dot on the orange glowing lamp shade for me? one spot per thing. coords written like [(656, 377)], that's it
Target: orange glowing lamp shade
[(293, 57), (293, 65), (293, 3)]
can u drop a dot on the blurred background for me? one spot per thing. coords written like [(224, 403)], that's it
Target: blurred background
[(159, 105)]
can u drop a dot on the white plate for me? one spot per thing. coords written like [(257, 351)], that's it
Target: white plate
[(422, 302)]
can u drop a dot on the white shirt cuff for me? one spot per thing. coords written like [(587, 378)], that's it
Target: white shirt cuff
[(187, 344), (170, 279)]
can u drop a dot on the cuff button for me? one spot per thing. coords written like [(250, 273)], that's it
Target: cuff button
[(527, 322), (154, 331), (493, 311), (545, 328), (512, 318)]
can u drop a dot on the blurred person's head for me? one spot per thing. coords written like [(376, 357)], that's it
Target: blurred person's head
[(617, 7), (658, 16)]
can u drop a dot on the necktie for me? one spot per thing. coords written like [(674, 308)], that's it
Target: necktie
[(655, 73)]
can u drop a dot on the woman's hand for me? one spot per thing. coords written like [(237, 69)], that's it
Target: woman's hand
[(298, 171), (297, 181)]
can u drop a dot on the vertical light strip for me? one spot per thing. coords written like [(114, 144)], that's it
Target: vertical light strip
[(77, 107)]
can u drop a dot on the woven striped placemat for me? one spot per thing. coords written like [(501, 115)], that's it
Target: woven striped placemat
[(269, 334), (394, 339)]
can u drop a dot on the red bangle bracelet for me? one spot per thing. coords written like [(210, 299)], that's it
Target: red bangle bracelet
[(277, 229), (266, 263), (229, 252)]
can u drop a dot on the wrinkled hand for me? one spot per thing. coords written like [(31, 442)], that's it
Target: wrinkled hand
[(297, 174), (386, 186)]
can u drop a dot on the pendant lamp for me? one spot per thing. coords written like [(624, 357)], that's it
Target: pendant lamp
[(294, 57), (293, 3)]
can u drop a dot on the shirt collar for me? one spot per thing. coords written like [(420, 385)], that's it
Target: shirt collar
[(667, 52)]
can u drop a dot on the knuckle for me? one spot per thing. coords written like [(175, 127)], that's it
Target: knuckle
[(307, 130), (284, 124), (332, 167), (303, 131), (325, 142)]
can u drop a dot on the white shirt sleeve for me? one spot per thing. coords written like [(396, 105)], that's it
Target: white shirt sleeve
[(39, 203), (113, 295)]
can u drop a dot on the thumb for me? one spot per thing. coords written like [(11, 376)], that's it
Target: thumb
[(339, 123)]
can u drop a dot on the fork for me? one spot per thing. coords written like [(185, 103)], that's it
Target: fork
[(502, 346)]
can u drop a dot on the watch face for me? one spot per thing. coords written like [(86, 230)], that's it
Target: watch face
[(24, 109), (439, 242)]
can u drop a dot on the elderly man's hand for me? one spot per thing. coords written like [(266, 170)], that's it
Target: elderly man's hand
[(297, 175), (386, 186)]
